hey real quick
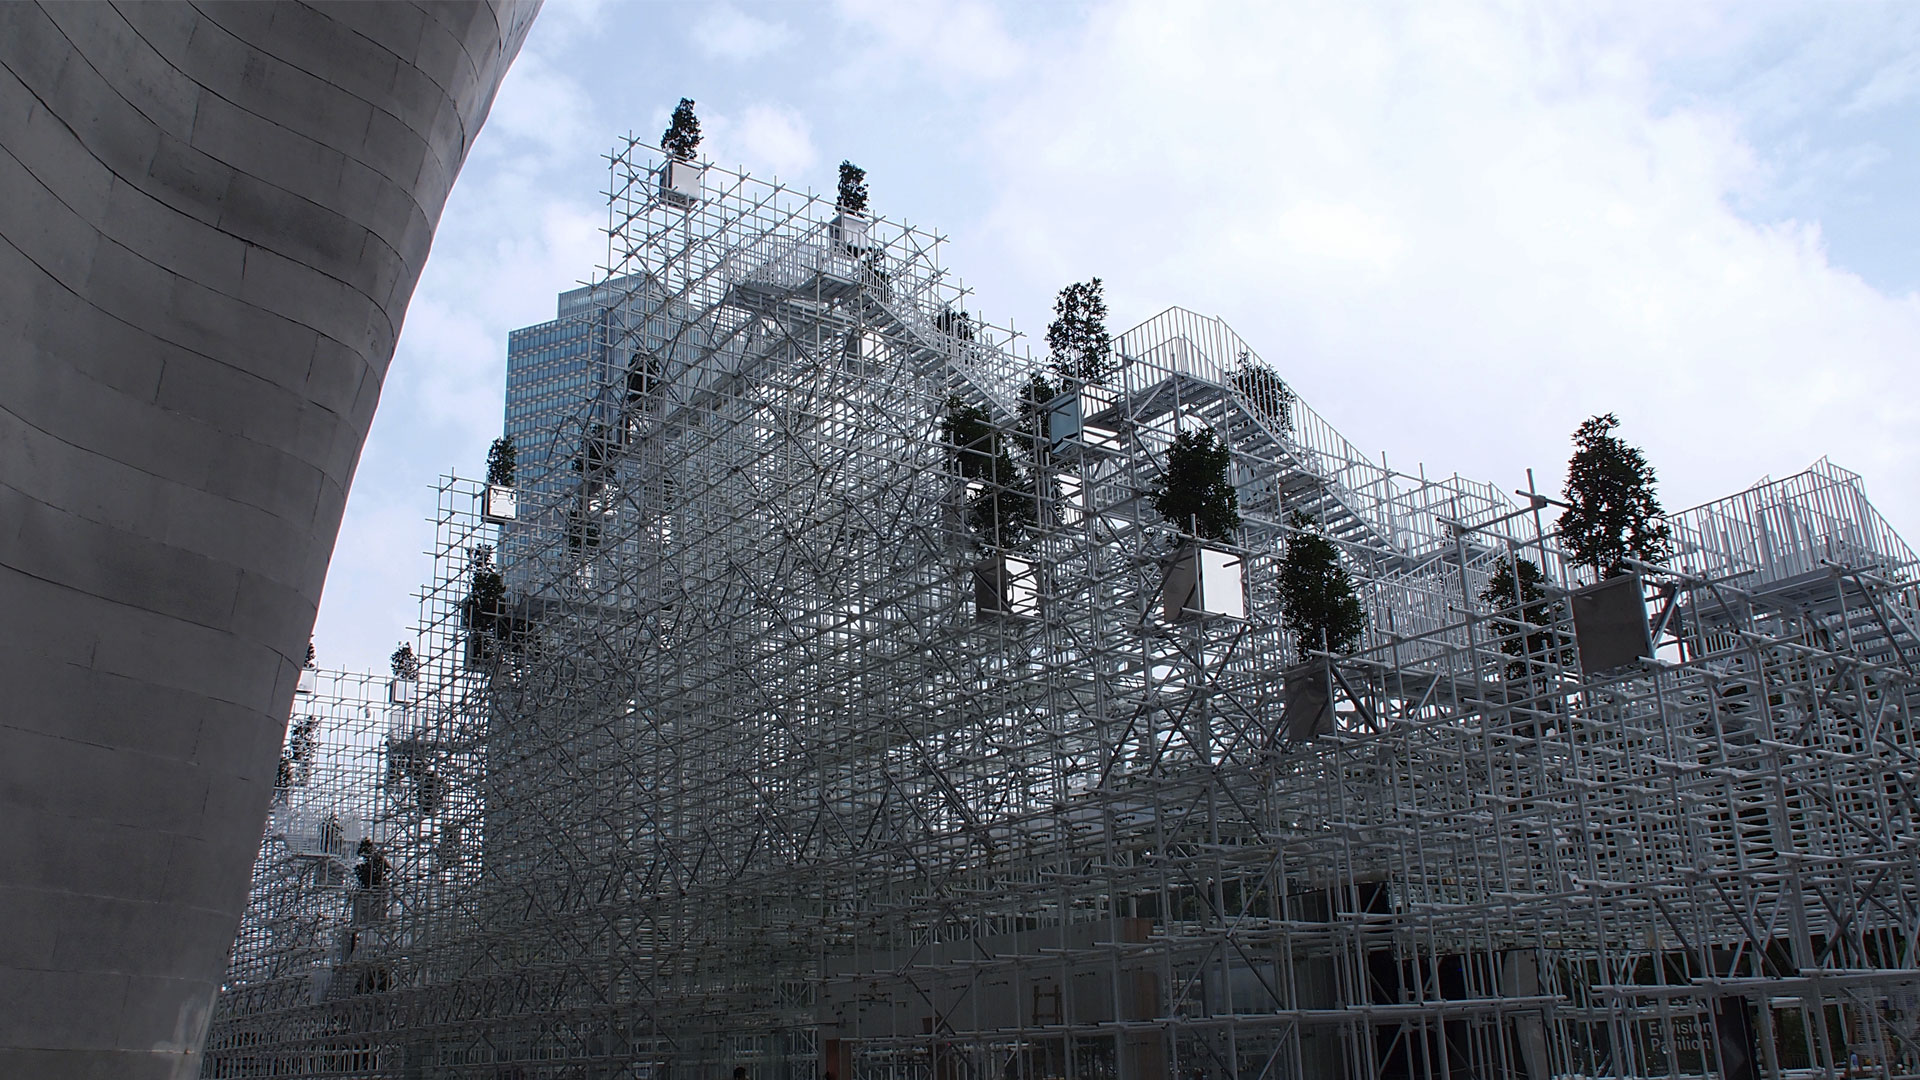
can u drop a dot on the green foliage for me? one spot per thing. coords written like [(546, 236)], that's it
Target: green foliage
[(1194, 494), (643, 377), (682, 137), (405, 664), (1269, 395), (1316, 594), (851, 197), (486, 592), (1002, 513), (1614, 514), (875, 264), (310, 653), (975, 441), (296, 759), (956, 323), (1518, 588), (500, 459), (1077, 337)]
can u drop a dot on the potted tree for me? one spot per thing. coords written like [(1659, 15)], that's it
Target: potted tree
[(1613, 519), (1265, 392), (1196, 497), (1318, 601), (955, 324), (1612, 514), (501, 502), (1317, 597), (681, 177), (402, 689), (1082, 355), (1001, 513), (296, 759), (309, 672), (484, 608), (849, 228), (1523, 621), (370, 873)]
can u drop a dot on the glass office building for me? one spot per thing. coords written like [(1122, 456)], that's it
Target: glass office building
[(551, 369)]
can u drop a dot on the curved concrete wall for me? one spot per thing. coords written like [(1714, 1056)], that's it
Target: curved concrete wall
[(211, 219)]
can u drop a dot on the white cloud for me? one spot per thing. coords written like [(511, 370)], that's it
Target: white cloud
[(1458, 233), (517, 229), (731, 34), (1457, 230), (565, 22), (1894, 83), (1339, 232), (538, 103), (765, 136), (957, 40)]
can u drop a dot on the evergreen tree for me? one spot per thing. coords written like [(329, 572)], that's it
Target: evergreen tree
[(1269, 395), (1614, 514), (296, 758), (500, 460), (852, 195), (1316, 594), (1003, 513), (682, 137), (482, 611), (956, 323), (405, 664), (1194, 493), (1518, 587), (1077, 337)]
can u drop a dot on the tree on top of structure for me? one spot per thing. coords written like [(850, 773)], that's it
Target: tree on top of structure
[(1613, 514), (1316, 594), (500, 461), (1194, 494), (1077, 337), (486, 590), (959, 324), (1265, 391), (405, 664), (681, 140), (851, 198)]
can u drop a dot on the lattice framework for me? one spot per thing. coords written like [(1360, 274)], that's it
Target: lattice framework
[(776, 756)]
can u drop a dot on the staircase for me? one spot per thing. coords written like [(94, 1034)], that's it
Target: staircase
[(1812, 543), (1183, 361)]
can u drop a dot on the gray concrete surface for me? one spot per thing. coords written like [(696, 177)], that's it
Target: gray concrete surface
[(211, 219)]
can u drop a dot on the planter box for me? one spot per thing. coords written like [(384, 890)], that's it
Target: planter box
[(1309, 703), (849, 231), (683, 181), (500, 504), (1007, 585), (1205, 582), (308, 678), (403, 691), (1085, 416), (1610, 624)]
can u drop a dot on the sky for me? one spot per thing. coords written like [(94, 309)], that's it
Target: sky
[(1457, 229)]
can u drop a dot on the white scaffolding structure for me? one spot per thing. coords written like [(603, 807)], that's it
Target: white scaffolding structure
[(794, 747)]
